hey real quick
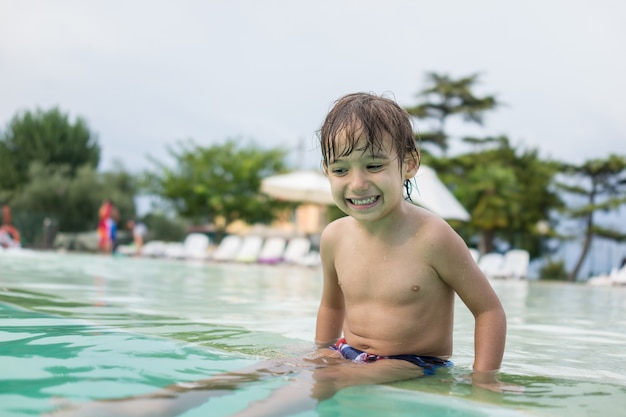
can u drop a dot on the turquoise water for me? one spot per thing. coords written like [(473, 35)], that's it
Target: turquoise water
[(83, 327)]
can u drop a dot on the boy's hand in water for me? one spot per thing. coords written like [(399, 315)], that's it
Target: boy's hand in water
[(489, 381), (324, 356)]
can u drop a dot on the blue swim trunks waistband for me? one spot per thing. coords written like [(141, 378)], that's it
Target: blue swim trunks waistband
[(428, 363)]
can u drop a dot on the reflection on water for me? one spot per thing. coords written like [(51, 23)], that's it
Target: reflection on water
[(84, 326)]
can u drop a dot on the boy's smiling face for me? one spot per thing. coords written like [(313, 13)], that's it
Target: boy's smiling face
[(367, 183)]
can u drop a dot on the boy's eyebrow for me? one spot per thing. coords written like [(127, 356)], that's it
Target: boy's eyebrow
[(370, 155), (379, 156)]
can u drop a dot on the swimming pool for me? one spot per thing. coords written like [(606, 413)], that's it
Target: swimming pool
[(85, 327)]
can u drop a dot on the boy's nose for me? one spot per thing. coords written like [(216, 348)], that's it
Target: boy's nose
[(359, 182)]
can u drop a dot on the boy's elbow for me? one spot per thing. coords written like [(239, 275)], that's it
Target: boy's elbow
[(496, 316)]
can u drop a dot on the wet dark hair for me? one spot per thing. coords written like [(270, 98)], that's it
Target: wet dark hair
[(370, 116)]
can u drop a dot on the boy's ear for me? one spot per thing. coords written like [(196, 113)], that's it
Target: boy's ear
[(411, 165)]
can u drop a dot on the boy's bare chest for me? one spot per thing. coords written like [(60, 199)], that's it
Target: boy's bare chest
[(397, 274)]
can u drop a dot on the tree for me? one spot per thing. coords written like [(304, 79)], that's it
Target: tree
[(218, 184), (445, 97), (47, 138), (599, 185), (507, 191), (70, 202)]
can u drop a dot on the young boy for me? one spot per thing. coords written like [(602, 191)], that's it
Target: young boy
[(391, 269)]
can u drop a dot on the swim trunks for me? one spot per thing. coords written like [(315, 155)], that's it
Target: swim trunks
[(428, 363)]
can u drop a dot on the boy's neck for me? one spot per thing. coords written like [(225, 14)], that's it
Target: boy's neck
[(390, 224)]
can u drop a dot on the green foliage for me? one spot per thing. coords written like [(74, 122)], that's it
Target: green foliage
[(47, 138), (162, 227), (445, 97), (218, 184), (553, 270), (48, 175), (598, 185), (506, 190), (609, 233), (70, 202)]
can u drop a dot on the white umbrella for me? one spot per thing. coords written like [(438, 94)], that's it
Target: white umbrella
[(429, 192), (300, 186)]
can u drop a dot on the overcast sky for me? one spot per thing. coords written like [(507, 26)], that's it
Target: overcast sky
[(147, 73)]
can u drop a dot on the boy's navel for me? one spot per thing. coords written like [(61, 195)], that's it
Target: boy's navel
[(415, 288)]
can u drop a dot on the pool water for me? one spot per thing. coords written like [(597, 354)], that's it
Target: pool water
[(86, 327)]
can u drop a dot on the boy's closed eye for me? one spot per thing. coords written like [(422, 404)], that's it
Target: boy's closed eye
[(338, 171), (375, 167)]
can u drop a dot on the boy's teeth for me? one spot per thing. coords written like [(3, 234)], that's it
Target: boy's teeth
[(363, 201)]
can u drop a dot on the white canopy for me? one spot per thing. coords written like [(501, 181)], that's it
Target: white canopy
[(432, 194), (300, 186)]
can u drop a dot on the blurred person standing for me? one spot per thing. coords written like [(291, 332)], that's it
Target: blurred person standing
[(139, 231), (108, 216), (9, 235)]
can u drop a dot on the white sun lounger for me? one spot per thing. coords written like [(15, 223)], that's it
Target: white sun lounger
[(618, 277), (512, 265), (516, 263), (227, 249), (311, 259), (154, 249), (250, 249), (492, 265), (196, 246), (174, 250), (297, 249), (273, 250)]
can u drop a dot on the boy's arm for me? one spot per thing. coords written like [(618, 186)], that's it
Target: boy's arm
[(331, 312), (457, 268), (489, 336), (489, 330), (328, 328)]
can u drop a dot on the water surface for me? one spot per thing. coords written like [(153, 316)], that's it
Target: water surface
[(85, 327)]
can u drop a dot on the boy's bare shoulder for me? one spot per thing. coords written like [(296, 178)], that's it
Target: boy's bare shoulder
[(330, 239), (336, 228), (443, 248), (437, 232), (429, 222)]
